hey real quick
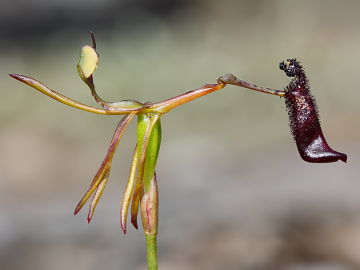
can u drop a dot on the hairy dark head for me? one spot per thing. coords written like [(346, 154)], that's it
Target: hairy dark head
[(291, 67), (304, 118)]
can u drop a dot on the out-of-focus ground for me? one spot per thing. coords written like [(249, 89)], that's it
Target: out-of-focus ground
[(234, 193)]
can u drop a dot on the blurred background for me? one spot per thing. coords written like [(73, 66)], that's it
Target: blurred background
[(234, 193)]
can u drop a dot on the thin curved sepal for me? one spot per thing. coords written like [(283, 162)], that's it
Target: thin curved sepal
[(104, 170), (231, 79), (68, 101), (167, 105), (129, 190), (99, 191)]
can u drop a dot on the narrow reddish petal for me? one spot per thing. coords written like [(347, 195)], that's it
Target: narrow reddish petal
[(134, 221), (106, 164), (98, 193), (94, 185), (129, 191), (135, 204)]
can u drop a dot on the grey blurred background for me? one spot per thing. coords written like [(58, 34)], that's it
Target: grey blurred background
[(234, 193)]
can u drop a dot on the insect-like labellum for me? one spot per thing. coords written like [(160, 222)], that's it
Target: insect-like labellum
[(304, 119)]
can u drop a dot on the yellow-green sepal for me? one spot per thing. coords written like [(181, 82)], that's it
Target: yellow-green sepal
[(153, 147)]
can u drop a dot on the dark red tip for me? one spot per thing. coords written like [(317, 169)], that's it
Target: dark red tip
[(77, 209), (123, 228), (134, 222), (89, 218), (20, 77), (13, 75)]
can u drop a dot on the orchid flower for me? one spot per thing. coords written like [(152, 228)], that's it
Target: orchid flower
[(141, 191)]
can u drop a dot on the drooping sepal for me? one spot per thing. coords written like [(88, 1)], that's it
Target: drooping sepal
[(100, 179), (129, 190)]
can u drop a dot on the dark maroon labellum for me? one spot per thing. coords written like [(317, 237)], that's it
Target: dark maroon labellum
[(303, 117)]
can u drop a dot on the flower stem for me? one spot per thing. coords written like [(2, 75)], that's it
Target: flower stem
[(151, 251)]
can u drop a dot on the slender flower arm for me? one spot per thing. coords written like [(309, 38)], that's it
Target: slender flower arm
[(231, 79), (68, 101), (171, 103)]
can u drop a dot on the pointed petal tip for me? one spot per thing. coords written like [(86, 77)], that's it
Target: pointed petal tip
[(343, 157), (134, 223), (13, 75), (123, 228), (89, 219), (77, 209), (123, 225), (19, 77)]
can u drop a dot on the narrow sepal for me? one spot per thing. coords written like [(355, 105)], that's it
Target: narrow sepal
[(97, 195), (106, 164), (231, 79), (94, 184), (129, 191), (135, 201), (70, 102)]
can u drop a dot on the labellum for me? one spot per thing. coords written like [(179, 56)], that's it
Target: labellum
[(304, 119)]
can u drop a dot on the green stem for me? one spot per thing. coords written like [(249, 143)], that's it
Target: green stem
[(151, 251)]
